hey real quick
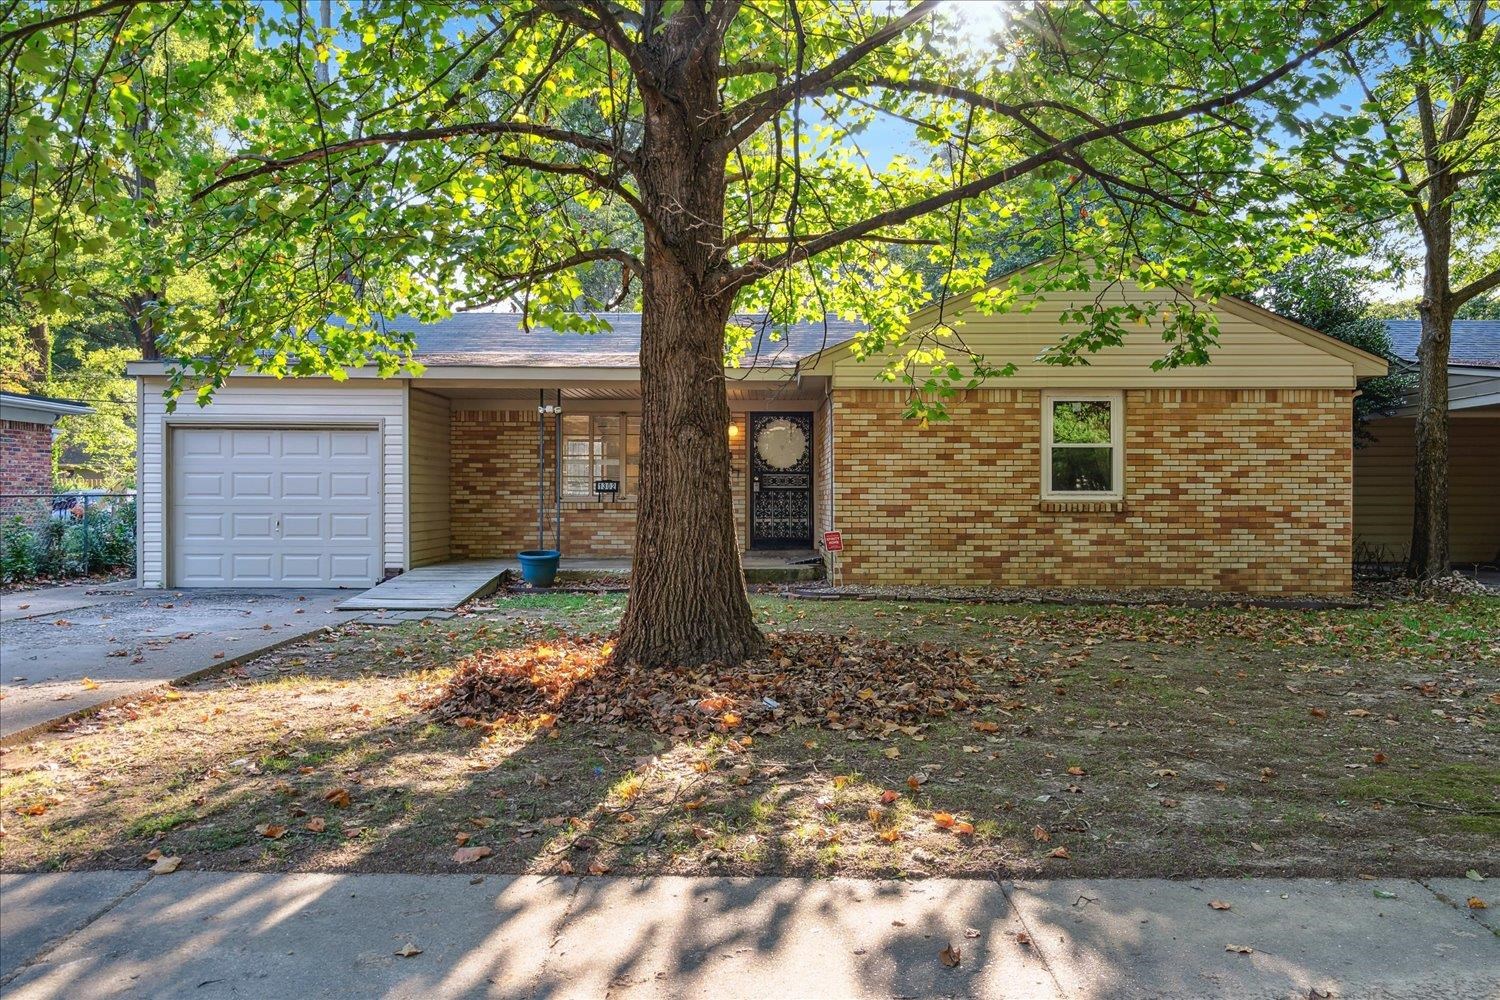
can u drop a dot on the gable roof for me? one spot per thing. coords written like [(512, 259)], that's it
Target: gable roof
[(496, 338), (1364, 363), (1475, 341)]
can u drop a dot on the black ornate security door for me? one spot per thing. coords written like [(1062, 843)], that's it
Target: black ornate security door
[(781, 466)]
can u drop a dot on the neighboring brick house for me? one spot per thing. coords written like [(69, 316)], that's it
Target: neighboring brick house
[(26, 442), (1232, 476)]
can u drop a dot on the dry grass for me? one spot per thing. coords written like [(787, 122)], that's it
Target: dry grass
[(1143, 741)]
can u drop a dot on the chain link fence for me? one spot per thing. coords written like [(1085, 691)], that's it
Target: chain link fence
[(55, 536)]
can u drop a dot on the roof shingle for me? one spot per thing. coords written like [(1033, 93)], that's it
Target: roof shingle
[(495, 338)]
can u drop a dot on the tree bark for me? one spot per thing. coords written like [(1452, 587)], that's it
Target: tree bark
[(687, 600), (39, 338), (1428, 556)]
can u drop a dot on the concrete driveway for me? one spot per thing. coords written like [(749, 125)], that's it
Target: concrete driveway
[(67, 648)]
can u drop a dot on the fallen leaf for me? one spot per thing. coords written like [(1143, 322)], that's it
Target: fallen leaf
[(1023, 939), (338, 798), (565, 867), (963, 828), (840, 780), (166, 866), (951, 956), (987, 727), (1040, 834), (1061, 853), (89, 684), (271, 831), (1475, 903), (1240, 949), (597, 867), (888, 796), (1077, 771), (408, 950), (891, 835), (1219, 904), (971, 933), (943, 820), (317, 824), (469, 855), (893, 753), (1318, 713)]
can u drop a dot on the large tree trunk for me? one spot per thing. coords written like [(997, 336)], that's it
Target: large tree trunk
[(687, 591), (1429, 529)]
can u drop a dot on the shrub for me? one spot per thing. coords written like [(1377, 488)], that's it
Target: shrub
[(18, 554)]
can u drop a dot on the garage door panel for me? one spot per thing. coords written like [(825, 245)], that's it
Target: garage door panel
[(351, 527), (349, 444), (204, 527), (351, 568), (249, 485), (249, 444), (202, 486), (252, 567), (202, 569), (302, 485), (349, 484), (269, 507), (303, 443), (303, 527), (302, 567), (258, 527)]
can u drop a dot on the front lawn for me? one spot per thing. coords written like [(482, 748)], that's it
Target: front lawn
[(1096, 741)]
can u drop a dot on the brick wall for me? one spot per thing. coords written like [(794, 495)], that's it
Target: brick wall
[(493, 503), (25, 457), (1239, 490)]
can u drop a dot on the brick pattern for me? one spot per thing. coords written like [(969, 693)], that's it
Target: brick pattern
[(25, 458), (493, 500), (1225, 489)]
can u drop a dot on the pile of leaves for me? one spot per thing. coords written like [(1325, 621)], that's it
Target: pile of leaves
[(842, 682)]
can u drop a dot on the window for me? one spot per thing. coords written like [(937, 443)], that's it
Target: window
[(1082, 452), (599, 446)]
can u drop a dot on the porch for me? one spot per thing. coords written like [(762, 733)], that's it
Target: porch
[(446, 585), (499, 468)]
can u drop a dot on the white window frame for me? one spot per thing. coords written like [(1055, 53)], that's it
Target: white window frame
[(1116, 401), (627, 482)]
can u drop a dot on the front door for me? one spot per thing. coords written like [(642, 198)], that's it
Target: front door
[(781, 466)]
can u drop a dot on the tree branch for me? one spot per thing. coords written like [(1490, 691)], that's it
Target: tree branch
[(25, 31), (754, 112), (738, 277), (1478, 286), (273, 165)]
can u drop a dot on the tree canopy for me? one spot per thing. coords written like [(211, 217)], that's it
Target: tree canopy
[(454, 154)]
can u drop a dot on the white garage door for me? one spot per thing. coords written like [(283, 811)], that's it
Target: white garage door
[(274, 507)]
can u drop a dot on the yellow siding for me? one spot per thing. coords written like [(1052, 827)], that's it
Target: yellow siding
[(1383, 489), (1250, 354), (430, 468)]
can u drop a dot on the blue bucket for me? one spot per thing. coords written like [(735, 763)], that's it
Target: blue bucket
[(539, 566)]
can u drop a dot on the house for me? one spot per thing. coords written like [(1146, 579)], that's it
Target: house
[(26, 423), (1384, 469), (1236, 476)]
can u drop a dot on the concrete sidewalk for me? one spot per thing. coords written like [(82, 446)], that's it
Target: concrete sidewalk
[(204, 934)]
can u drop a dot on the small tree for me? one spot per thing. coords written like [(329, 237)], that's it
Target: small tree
[(445, 161), (1418, 160)]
